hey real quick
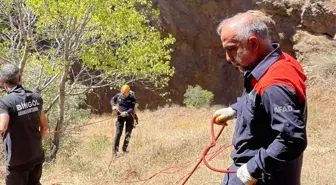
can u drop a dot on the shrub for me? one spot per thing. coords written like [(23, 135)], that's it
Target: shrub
[(197, 97)]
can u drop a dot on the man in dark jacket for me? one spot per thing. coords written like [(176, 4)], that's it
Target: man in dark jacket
[(22, 125), (270, 132), (126, 104)]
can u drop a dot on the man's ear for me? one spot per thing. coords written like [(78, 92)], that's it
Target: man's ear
[(2, 88), (1, 81), (254, 43), (20, 79)]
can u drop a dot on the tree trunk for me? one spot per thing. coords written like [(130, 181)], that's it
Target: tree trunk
[(23, 36), (60, 119), (24, 58)]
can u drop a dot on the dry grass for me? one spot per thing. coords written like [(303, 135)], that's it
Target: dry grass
[(175, 135), (164, 138), (320, 156)]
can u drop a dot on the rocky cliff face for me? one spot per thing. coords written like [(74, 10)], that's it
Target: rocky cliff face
[(198, 57)]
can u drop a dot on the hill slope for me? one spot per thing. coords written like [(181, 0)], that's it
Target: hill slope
[(176, 136)]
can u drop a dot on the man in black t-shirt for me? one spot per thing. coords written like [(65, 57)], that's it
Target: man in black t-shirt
[(126, 103), (22, 126)]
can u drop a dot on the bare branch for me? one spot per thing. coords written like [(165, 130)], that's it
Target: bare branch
[(39, 79), (80, 28), (78, 93), (21, 27), (52, 104), (49, 81), (24, 58), (7, 60)]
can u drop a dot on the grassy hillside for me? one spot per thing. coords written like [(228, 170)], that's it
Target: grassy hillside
[(176, 136), (164, 138)]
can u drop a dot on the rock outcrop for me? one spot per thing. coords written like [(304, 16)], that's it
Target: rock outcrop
[(198, 56)]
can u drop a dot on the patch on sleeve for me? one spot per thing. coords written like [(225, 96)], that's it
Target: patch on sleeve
[(283, 109)]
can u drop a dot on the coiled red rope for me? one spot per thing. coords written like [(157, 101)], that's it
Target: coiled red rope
[(206, 150)]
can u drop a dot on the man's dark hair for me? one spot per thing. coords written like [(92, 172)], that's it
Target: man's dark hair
[(10, 74)]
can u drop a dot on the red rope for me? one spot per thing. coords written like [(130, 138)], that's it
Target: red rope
[(206, 150), (213, 143), (175, 168), (163, 171), (213, 155), (72, 128)]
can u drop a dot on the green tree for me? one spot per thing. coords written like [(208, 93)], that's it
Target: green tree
[(76, 46)]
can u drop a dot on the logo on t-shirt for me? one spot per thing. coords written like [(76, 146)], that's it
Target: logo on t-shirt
[(27, 107)]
